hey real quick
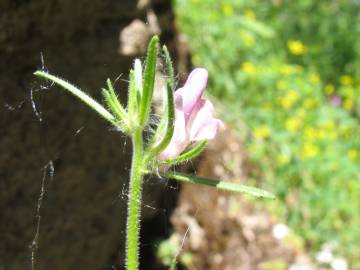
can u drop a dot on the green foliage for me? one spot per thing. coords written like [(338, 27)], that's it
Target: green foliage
[(228, 186), (278, 67), (149, 81)]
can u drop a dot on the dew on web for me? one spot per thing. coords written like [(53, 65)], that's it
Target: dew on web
[(33, 105), (43, 86), (78, 131), (48, 172), (117, 78), (14, 107)]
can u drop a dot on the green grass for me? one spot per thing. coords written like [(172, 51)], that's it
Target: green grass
[(275, 66)]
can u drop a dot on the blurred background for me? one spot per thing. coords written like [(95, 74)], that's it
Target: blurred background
[(284, 78)]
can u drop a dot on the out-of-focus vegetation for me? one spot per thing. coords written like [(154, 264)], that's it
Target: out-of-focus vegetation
[(287, 73)]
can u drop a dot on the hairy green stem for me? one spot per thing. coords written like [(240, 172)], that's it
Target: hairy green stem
[(134, 203), (78, 93)]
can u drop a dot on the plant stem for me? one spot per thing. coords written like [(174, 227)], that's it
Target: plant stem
[(134, 203)]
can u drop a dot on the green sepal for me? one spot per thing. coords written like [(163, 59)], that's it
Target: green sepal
[(192, 153), (149, 82), (228, 186), (80, 94), (170, 123)]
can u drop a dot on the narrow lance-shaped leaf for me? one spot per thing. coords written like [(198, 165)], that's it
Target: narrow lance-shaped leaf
[(170, 116), (192, 153), (148, 83), (117, 107), (228, 186), (169, 65), (78, 93), (119, 123)]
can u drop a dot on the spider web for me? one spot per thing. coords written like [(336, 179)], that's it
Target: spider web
[(48, 172)]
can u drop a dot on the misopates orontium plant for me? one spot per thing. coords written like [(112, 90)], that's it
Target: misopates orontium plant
[(187, 119)]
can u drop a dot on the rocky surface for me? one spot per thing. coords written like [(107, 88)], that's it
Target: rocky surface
[(228, 231)]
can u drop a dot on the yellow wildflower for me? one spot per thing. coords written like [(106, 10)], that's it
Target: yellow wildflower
[(329, 124), (248, 67), (321, 134), (248, 39), (352, 153), (292, 94), (348, 104), (287, 69), (309, 150), (314, 78), (310, 103), (262, 132), (293, 124), (228, 9), (329, 130), (296, 47), (346, 80), (289, 99), (310, 133), (329, 89), (249, 13)]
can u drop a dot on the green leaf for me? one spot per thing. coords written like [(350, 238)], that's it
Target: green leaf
[(228, 186), (169, 65), (78, 93), (121, 120), (148, 83), (117, 107)]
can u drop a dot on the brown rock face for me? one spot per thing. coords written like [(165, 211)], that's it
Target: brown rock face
[(83, 210), (225, 230)]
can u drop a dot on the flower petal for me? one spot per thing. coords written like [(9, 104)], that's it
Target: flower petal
[(202, 125), (193, 89), (180, 139)]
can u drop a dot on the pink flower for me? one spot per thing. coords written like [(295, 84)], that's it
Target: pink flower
[(194, 115), (335, 100)]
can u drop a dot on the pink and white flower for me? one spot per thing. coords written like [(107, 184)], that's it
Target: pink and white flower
[(335, 100), (194, 115)]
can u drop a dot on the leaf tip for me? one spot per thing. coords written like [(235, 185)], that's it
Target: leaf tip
[(38, 73)]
